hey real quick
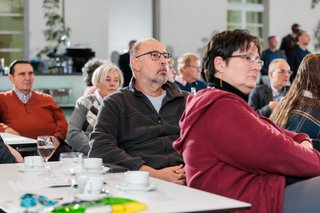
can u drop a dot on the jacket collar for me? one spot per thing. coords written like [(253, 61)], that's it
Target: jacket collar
[(227, 87), (171, 89)]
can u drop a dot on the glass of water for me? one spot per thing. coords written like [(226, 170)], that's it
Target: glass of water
[(72, 166)]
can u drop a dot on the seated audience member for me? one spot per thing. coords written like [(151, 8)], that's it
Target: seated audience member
[(8, 154), (171, 71), (231, 150), (264, 98), (136, 125), (189, 70), (299, 111), (107, 78), (29, 113), (270, 54), (87, 72), (299, 51)]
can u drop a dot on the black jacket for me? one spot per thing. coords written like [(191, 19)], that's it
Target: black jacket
[(260, 97), (130, 132), (5, 154)]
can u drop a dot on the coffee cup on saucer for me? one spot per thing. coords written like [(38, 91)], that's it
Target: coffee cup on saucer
[(90, 185), (33, 162), (136, 179), (92, 163)]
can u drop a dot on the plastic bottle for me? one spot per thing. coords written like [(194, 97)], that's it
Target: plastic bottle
[(193, 90), (1, 66)]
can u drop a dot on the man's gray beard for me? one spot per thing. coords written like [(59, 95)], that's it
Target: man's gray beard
[(160, 79)]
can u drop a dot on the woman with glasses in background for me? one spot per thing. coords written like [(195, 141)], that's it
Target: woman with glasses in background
[(299, 111), (230, 150)]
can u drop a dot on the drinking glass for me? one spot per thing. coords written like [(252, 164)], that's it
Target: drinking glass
[(45, 146), (71, 163)]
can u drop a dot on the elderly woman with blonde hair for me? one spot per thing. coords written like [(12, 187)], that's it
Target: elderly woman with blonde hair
[(107, 78)]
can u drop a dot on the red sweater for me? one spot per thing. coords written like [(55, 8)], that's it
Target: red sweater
[(232, 151), (39, 116)]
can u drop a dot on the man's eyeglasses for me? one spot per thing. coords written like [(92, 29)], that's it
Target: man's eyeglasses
[(156, 55), (283, 71), (249, 59)]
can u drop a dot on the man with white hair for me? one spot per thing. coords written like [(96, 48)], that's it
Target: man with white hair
[(264, 98)]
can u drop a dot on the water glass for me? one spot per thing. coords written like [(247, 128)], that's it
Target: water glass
[(72, 166)]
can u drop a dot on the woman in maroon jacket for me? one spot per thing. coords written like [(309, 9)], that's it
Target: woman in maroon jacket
[(230, 150)]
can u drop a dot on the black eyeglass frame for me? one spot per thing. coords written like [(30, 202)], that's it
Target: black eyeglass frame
[(166, 55)]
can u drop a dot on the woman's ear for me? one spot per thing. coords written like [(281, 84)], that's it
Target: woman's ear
[(219, 64)]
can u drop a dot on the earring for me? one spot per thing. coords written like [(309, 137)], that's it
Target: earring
[(221, 77)]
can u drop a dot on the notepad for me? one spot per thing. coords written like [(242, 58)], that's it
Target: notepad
[(38, 183)]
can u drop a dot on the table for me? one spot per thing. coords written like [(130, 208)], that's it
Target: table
[(168, 197), (25, 146), (11, 139)]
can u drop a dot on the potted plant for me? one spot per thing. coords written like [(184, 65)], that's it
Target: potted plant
[(56, 31)]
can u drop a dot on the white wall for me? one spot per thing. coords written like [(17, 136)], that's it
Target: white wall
[(286, 12), (36, 27), (88, 21), (186, 25), (103, 25), (128, 20)]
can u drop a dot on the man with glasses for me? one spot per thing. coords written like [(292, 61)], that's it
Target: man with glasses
[(136, 125), (264, 98), (189, 69)]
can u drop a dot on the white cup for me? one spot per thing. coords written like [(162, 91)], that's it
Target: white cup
[(90, 184), (136, 178), (33, 162), (92, 163)]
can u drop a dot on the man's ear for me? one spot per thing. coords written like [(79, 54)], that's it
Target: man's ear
[(135, 64), (270, 74), (10, 77)]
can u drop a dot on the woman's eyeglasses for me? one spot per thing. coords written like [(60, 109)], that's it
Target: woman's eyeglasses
[(156, 55), (249, 59)]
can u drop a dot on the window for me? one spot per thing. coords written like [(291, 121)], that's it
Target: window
[(11, 30), (246, 14)]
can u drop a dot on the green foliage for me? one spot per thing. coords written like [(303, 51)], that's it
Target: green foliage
[(317, 30), (314, 3), (55, 24), (317, 36)]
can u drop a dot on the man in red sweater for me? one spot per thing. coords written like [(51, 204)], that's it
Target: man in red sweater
[(29, 113)]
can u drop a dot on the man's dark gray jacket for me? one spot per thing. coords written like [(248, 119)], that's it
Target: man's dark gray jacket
[(129, 132)]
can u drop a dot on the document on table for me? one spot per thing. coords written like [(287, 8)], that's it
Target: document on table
[(16, 139), (35, 184)]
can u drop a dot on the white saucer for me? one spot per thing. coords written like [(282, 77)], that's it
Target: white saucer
[(97, 171), (22, 168), (90, 196), (124, 187)]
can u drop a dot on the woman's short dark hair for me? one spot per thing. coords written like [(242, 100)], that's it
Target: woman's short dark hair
[(224, 44), (89, 68)]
